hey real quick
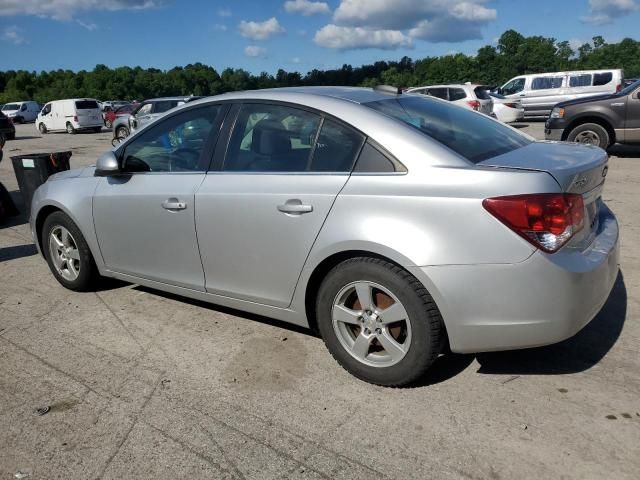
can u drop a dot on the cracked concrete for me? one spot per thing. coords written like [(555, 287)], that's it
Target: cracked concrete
[(147, 385)]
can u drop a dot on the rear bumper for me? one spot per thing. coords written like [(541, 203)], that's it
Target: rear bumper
[(543, 300)]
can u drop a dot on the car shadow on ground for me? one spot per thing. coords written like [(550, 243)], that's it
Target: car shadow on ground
[(23, 137), (17, 251), (577, 354), (618, 150)]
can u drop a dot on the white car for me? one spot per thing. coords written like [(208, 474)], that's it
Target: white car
[(473, 97), (70, 115), (507, 110), (21, 112)]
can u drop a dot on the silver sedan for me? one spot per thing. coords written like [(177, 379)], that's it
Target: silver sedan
[(395, 225)]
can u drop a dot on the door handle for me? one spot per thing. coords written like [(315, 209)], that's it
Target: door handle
[(295, 207), (173, 204)]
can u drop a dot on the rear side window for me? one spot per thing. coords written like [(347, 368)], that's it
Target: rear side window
[(602, 78), (336, 149), (86, 104), (580, 80), (457, 94), (272, 138), (372, 160), (481, 93), (474, 137), (544, 83), (438, 92)]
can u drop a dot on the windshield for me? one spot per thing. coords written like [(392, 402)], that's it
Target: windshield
[(627, 90), (472, 135), (11, 106)]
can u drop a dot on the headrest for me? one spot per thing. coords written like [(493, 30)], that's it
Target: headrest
[(270, 138)]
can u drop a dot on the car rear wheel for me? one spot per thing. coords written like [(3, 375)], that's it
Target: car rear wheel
[(67, 253), (42, 128), (122, 133), (379, 322), (590, 134), (70, 129), (108, 124)]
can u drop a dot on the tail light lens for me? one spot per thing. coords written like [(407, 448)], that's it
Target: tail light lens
[(75, 118), (546, 220), (619, 88), (474, 104), (511, 105)]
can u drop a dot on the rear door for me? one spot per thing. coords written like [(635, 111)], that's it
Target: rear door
[(632, 124), (579, 86), (88, 113), (259, 213)]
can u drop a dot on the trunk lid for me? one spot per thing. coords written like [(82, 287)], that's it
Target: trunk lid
[(577, 168)]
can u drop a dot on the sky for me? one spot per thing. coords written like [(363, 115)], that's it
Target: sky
[(295, 35)]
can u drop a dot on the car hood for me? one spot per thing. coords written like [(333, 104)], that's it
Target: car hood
[(580, 101), (75, 173), (577, 168)]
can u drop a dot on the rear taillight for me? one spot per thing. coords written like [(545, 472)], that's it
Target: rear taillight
[(511, 105), (546, 220), (619, 88), (75, 118), (474, 104)]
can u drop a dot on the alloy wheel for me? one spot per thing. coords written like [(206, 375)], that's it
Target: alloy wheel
[(588, 137), (371, 324), (64, 253)]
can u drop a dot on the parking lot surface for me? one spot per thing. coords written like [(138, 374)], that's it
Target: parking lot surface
[(141, 384)]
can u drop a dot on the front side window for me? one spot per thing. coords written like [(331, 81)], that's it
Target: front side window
[(47, 109), (602, 78), (545, 83), (472, 136), (164, 106), (514, 86), (271, 138), (580, 80), (145, 109), (175, 144)]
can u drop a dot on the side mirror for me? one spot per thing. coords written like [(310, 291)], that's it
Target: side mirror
[(106, 165)]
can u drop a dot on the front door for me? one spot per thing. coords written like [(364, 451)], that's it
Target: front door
[(144, 218), (259, 215)]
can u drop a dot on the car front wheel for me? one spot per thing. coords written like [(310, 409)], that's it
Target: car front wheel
[(379, 322), (590, 134), (67, 253)]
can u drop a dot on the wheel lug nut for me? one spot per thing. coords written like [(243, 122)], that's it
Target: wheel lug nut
[(378, 331)]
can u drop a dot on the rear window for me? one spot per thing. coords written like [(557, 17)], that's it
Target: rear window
[(602, 78), (86, 104), (544, 83), (469, 134), (481, 93)]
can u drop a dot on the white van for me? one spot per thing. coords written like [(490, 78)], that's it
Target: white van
[(21, 112), (70, 115), (539, 93)]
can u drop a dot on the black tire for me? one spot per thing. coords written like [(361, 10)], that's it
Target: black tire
[(427, 331), (18, 120), (11, 136), (42, 128), (70, 129), (88, 272), (590, 134)]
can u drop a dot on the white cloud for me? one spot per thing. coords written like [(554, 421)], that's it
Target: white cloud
[(431, 20), (218, 27), (67, 9), (260, 30), (88, 25), (224, 12), (13, 34), (349, 38), (606, 11), (306, 7), (255, 51), (296, 60)]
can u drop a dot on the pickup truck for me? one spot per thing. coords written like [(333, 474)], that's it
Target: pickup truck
[(602, 120)]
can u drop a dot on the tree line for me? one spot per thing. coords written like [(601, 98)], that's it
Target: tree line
[(513, 55)]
